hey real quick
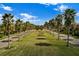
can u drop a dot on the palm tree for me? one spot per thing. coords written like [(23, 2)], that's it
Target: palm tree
[(52, 24), (7, 19), (28, 27), (24, 26), (46, 25), (18, 26), (69, 16), (58, 23)]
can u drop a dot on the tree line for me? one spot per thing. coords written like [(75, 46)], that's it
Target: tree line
[(9, 26), (64, 23)]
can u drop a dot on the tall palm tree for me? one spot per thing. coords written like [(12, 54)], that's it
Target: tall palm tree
[(28, 25), (18, 26), (58, 23), (46, 25), (52, 25), (7, 19), (12, 27), (24, 27), (69, 16)]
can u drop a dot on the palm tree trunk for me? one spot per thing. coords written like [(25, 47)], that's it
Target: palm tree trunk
[(8, 40), (58, 33), (19, 35), (8, 36), (68, 37), (53, 32)]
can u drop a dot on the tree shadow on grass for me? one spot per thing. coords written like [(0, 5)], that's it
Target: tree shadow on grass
[(43, 44), (40, 35), (69, 39), (6, 41), (8, 48), (41, 38)]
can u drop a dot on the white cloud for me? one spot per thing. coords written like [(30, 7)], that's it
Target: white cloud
[(0, 18), (48, 4), (61, 8), (7, 8), (15, 17), (56, 9), (0, 15), (77, 14), (77, 19), (28, 16)]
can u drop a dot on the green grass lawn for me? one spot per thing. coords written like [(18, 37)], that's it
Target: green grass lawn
[(30, 45)]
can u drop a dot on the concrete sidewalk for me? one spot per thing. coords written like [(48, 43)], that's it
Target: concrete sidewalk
[(13, 37), (64, 37)]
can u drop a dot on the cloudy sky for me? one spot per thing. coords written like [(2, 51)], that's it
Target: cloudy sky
[(37, 13)]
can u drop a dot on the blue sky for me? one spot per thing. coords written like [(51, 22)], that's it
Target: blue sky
[(37, 13)]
